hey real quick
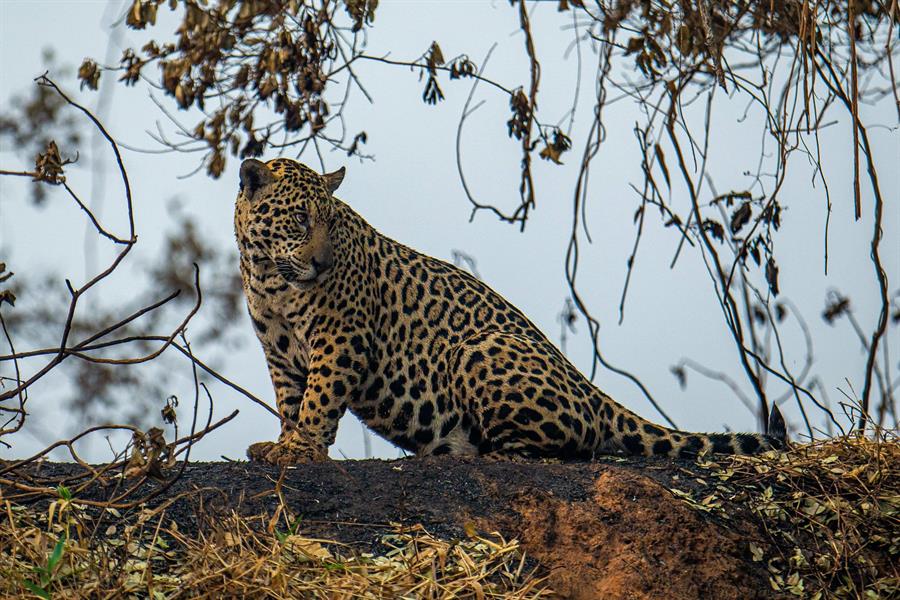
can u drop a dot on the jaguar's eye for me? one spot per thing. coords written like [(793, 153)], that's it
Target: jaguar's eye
[(301, 217)]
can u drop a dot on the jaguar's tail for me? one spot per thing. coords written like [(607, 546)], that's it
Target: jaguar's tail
[(638, 436)]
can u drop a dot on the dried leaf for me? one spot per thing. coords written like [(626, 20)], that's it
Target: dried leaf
[(715, 229), (837, 307), (780, 312), (756, 552), (89, 74), (680, 374), (662, 164), (740, 217), (772, 276), (435, 57), (432, 94), (168, 411), (754, 253), (552, 151), (307, 549), (8, 297), (518, 124)]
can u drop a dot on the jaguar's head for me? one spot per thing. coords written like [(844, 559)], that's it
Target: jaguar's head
[(288, 215)]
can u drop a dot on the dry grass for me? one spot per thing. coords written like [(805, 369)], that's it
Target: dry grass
[(828, 515), (61, 553)]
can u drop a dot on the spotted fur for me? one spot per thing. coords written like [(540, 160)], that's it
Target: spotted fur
[(426, 355)]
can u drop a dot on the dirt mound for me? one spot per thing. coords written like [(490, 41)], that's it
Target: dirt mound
[(632, 539)]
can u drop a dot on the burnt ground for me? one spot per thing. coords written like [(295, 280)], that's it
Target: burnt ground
[(604, 529)]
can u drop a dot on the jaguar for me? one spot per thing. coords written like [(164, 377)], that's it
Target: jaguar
[(425, 354)]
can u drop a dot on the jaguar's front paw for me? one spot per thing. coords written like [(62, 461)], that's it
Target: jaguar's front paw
[(257, 452), (284, 453)]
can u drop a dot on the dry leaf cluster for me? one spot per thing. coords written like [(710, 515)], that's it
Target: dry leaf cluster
[(827, 514)]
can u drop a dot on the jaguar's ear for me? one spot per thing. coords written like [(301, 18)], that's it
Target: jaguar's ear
[(333, 180), (254, 175)]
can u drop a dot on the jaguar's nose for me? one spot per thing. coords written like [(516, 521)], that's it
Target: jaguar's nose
[(323, 263), (318, 266)]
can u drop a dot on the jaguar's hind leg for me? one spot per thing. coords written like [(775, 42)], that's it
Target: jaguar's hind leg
[(523, 398)]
